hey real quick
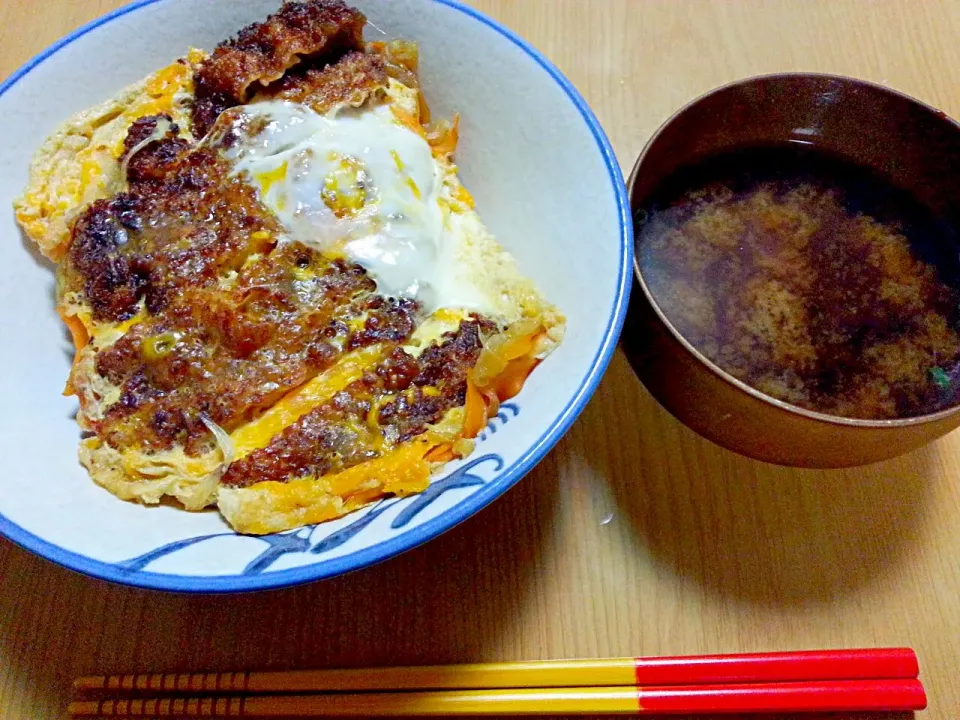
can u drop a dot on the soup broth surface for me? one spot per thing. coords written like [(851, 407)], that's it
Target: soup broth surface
[(810, 279)]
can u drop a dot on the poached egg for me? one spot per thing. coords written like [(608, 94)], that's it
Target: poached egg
[(361, 183)]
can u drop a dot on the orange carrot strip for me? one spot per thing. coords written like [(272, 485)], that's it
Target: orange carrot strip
[(441, 453), (423, 107), (408, 120), (510, 381), (474, 412), (80, 336), (443, 140), (58, 251), (78, 330), (492, 401)]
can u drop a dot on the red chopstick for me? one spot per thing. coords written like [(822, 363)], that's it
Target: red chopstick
[(891, 695), (862, 664)]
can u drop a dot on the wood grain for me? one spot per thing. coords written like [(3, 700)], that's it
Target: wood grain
[(634, 536)]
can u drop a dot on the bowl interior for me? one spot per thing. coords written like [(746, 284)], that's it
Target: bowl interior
[(913, 146), (531, 152)]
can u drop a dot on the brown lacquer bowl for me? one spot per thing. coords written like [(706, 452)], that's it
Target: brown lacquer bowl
[(913, 145)]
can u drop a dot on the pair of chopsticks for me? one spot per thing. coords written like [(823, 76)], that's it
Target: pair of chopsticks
[(884, 679)]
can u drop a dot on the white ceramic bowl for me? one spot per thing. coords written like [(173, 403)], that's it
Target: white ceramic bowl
[(546, 182)]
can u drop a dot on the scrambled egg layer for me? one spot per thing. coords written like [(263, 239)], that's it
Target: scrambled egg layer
[(80, 163)]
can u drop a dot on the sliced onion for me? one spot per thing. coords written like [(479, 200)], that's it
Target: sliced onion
[(223, 440)]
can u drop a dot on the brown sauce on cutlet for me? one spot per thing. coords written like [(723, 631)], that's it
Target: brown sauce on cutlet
[(221, 314), (231, 321), (810, 279), (388, 406), (261, 53)]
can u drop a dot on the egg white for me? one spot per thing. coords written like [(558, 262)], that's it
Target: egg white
[(358, 181)]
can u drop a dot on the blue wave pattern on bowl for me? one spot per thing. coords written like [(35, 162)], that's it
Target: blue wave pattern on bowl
[(302, 540)]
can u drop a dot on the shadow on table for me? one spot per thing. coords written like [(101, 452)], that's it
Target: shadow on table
[(742, 528), (434, 604)]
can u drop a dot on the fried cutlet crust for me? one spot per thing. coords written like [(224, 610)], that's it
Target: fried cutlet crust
[(349, 81), (224, 322), (261, 53), (386, 407), (230, 319), (79, 163)]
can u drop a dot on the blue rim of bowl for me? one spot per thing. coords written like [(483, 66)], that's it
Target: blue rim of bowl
[(456, 514)]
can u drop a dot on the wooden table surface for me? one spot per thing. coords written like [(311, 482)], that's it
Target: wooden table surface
[(634, 536)]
